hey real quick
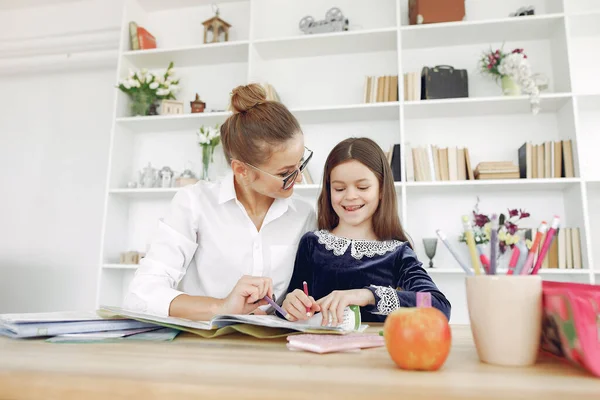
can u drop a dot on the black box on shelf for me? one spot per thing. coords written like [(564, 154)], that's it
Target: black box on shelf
[(444, 82)]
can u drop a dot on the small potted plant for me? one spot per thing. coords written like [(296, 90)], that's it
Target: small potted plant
[(514, 72), (146, 88)]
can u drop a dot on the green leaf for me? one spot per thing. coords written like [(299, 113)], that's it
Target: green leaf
[(501, 220)]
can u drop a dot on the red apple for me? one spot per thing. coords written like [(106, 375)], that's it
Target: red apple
[(418, 338)]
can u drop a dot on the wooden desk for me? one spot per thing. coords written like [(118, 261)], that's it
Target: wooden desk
[(242, 367)]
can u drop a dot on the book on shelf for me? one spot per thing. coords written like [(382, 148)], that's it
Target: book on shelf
[(550, 159), (433, 163), (412, 86), (380, 89), (140, 38), (565, 251), (393, 159)]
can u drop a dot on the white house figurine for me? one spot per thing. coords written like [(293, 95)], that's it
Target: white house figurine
[(168, 107)]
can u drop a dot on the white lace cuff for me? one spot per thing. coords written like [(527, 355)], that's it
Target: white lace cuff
[(388, 299)]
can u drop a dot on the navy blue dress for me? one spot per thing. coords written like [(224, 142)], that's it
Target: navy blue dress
[(389, 269)]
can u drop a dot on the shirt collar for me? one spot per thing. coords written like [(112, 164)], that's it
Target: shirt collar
[(227, 193)]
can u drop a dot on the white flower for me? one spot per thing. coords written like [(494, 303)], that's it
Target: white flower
[(144, 71), (171, 71), (134, 83), (203, 139), (131, 73), (517, 67), (213, 133), (160, 79), (154, 85), (162, 92), (126, 84), (174, 88)]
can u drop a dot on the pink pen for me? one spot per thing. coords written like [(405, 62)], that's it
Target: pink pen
[(534, 248), (513, 260), (547, 243)]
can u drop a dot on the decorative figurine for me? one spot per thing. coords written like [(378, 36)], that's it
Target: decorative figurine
[(171, 107), (197, 105), (148, 176), (217, 28), (166, 177), (187, 178), (430, 245), (334, 22), (523, 11)]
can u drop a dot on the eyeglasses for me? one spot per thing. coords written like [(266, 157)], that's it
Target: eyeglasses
[(289, 180)]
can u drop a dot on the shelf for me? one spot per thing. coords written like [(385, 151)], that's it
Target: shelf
[(498, 185), (156, 193), (480, 106), (325, 44), (120, 266), (162, 5), (162, 123), (542, 271), (349, 113), (205, 54), (464, 33)]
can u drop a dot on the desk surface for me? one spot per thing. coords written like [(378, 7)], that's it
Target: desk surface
[(242, 367)]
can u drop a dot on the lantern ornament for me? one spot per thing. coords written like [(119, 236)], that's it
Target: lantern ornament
[(215, 29)]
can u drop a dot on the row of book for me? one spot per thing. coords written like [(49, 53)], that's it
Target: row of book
[(433, 163), (565, 251), (551, 159), (412, 86), (381, 89)]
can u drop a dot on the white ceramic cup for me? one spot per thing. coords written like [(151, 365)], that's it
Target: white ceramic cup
[(506, 317)]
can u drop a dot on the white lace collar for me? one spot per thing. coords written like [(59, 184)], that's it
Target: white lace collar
[(359, 248)]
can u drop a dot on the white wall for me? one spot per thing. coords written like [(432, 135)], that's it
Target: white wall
[(55, 121)]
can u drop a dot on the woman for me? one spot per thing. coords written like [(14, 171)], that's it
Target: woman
[(224, 246)]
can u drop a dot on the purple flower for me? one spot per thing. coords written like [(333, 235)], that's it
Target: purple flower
[(511, 228), (480, 219), (502, 246), (513, 213), (524, 214)]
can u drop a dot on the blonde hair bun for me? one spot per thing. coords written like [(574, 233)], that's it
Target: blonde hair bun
[(245, 97)]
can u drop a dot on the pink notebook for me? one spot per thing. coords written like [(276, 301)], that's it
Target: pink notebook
[(333, 343)]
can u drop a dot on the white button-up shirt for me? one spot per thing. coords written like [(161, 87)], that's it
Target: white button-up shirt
[(208, 242)]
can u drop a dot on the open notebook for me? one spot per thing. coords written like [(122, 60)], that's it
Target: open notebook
[(352, 322)]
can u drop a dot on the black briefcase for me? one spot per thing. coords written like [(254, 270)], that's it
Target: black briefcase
[(444, 82)]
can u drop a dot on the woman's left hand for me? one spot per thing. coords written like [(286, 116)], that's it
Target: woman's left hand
[(333, 305)]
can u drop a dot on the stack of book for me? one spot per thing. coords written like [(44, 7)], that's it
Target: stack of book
[(381, 89), (496, 170)]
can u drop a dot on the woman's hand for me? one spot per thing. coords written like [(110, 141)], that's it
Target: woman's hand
[(333, 305), (247, 295), (295, 305)]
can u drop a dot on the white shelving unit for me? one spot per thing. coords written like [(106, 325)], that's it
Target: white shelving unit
[(320, 78)]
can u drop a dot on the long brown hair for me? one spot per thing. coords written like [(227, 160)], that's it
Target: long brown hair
[(386, 222), (256, 127)]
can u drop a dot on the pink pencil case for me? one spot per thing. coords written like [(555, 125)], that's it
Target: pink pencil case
[(334, 343), (571, 323)]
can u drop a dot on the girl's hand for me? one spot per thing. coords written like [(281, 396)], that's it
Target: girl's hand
[(295, 304), (333, 305), (247, 295)]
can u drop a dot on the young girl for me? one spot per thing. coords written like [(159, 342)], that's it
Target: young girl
[(360, 255)]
